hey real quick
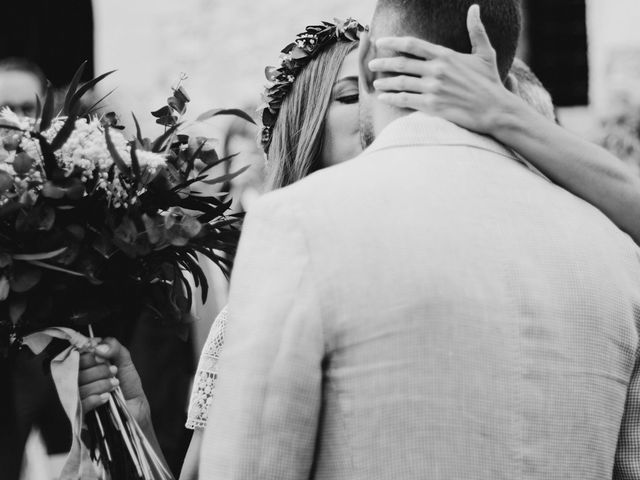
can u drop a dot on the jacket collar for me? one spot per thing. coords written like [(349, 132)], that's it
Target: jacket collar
[(418, 129)]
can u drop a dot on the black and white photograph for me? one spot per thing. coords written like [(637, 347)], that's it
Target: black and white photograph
[(297, 240)]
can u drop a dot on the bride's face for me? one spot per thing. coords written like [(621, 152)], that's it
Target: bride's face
[(342, 124)]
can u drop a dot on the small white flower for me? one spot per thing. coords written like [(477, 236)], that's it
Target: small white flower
[(9, 117), (7, 167), (31, 147)]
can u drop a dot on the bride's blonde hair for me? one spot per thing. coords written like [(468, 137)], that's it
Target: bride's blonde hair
[(298, 133)]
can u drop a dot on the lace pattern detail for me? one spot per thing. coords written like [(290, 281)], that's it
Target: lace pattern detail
[(205, 379)]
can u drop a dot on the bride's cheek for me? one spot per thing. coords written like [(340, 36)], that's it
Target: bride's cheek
[(342, 134)]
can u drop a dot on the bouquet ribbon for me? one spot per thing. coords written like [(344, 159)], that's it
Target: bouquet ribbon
[(64, 370)]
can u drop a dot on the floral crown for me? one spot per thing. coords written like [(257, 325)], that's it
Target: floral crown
[(293, 59)]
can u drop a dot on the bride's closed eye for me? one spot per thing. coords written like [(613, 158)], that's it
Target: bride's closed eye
[(349, 99), (346, 91)]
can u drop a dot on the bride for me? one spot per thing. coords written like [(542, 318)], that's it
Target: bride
[(311, 122)]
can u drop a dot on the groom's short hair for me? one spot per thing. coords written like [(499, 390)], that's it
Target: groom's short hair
[(444, 22)]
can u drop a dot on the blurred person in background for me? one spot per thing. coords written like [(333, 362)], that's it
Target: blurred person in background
[(20, 81)]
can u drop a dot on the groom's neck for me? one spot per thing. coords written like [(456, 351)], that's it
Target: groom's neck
[(384, 114)]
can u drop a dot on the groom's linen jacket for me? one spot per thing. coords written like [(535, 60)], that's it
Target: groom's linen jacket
[(429, 310)]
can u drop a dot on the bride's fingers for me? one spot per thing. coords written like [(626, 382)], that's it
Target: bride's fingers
[(98, 372), (405, 65), (480, 43), (88, 360), (93, 402), (98, 388), (413, 46), (404, 83), (416, 101)]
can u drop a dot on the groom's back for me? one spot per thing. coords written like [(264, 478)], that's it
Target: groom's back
[(478, 321)]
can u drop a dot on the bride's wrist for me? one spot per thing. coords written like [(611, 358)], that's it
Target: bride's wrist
[(141, 412), (507, 117)]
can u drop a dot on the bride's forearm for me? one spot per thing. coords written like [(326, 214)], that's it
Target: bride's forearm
[(582, 167)]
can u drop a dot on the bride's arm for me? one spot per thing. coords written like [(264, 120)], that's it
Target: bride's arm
[(583, 168), (467, 90), (202, 394)]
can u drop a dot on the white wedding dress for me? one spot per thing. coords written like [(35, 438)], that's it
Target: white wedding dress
[(204, 381)]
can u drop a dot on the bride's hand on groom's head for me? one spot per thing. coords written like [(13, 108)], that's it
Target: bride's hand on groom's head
[(465, 89)]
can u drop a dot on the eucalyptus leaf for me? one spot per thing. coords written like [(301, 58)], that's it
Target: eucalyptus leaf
[(47, 109), (39, 256), (50, 161), (181, 94), (93, 108), (192, 158), (38, 218), (167, 120), (17, 307), (162, 112), (5, 288), (75, 190), (138, 130), (225, 111), (117, 159), (73, 86), (49, 190), (218, 162), (135, 164), (22, 163), (227, 177), (24, 277), (177, 105), (66, 130), (162, 139), (6, 181), (75, 99), (38, 106), (209, 157), (5, 260)]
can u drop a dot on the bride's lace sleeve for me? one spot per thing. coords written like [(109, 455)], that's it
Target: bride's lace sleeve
[(207, 374)]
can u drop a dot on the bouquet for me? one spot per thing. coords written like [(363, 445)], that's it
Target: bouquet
[(96, 227)]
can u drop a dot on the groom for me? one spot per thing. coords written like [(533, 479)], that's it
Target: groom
[(429, 310)]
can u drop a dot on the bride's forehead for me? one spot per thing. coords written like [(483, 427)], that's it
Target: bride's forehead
[(349, 67)]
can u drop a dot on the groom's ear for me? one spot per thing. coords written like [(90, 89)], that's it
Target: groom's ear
[(366, 53)]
